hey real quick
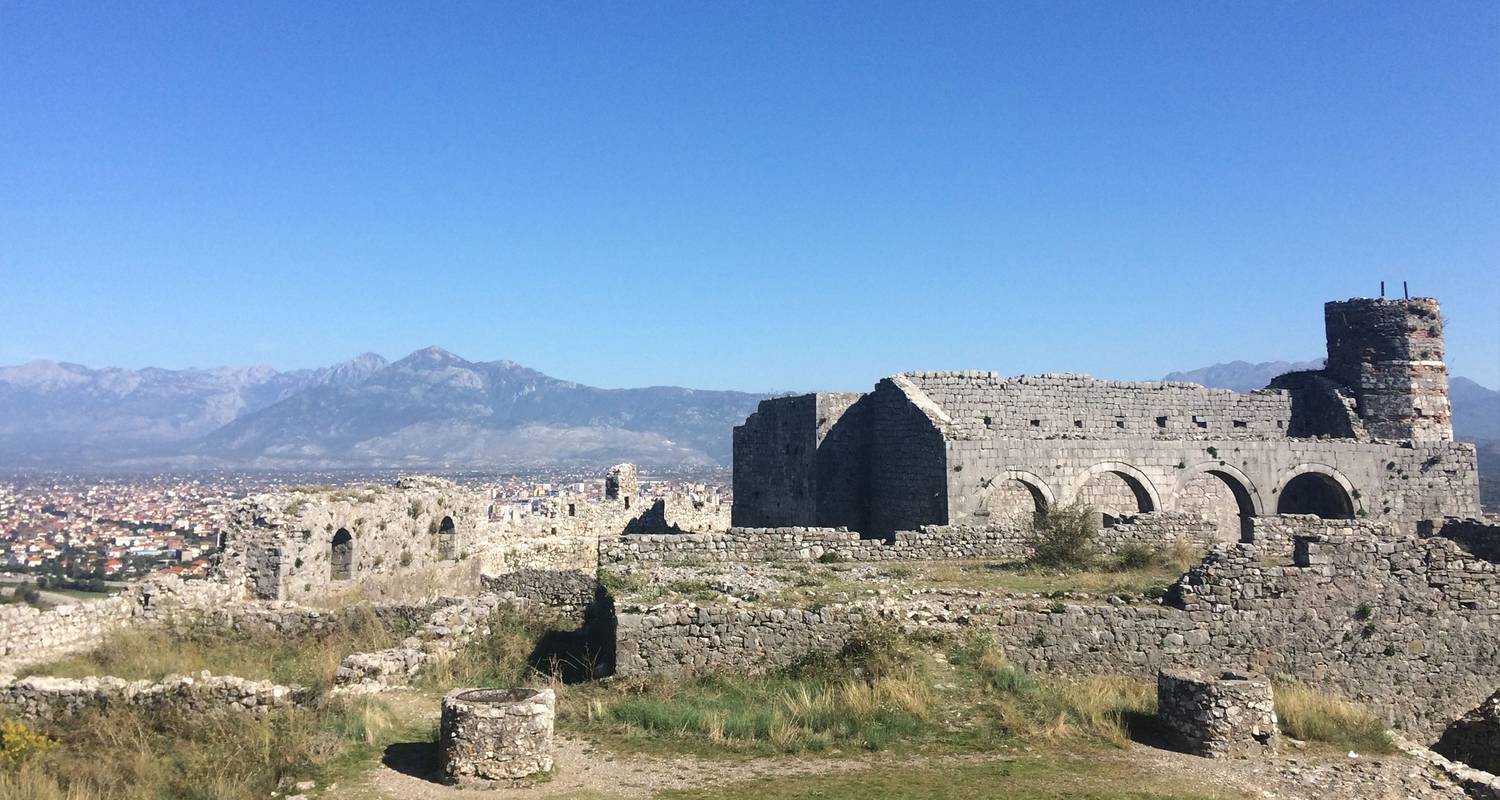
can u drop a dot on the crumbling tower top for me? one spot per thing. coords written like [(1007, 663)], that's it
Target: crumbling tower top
[(1389, 353)]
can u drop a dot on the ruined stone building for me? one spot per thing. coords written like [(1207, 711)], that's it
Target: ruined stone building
[(426, 535), (1369, 436)]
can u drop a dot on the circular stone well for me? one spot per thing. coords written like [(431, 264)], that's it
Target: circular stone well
[(496, 734)]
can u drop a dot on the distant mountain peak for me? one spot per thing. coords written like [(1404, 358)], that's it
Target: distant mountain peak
[(1241, 376), (431, 356)]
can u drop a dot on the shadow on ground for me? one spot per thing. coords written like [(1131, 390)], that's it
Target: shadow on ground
[(417, 759)]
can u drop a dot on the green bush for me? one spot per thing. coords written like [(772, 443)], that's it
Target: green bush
[(1067, 537)]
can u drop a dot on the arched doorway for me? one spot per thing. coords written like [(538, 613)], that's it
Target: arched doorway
[(341, 556), (448, 539), (1221, 497), (1115, 493), (1315, 493), (1012, 502)]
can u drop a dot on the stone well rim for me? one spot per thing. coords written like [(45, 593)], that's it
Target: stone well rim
[(497, 696)]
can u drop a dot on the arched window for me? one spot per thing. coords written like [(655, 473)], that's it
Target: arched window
[(1220, 498), (1115, 494), (447, 539), (1315, 493), (341, 556)]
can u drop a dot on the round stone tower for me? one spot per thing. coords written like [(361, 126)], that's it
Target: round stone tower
[(1389, 353)]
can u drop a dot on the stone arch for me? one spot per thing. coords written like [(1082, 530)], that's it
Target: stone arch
[(341, 556), (1116, 489), (1015, 496), (447, 539), (1222, 493), (1316, 489)]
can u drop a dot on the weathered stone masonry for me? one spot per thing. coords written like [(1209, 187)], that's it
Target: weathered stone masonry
[(1410, 625), (1368, 437)]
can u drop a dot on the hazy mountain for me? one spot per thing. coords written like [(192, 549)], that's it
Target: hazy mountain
[(430, 409), (1242, 376), (1476, 410), (59, 413)]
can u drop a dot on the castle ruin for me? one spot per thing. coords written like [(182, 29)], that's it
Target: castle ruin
[(1370, 436)]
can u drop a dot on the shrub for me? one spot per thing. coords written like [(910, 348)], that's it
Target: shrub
[(1135, 555), (27, 594), (1066, 537), (20, 743)]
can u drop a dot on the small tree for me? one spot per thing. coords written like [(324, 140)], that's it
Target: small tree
[(1066, 537)]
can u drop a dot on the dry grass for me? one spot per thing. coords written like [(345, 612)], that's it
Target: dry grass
[(154, 653), (1315, 716), (1107, 709), (125, 754)]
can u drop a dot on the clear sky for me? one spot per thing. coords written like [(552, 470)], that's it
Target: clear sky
[(761, 196)]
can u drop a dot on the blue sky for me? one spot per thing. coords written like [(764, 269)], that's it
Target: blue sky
[(766, 196)]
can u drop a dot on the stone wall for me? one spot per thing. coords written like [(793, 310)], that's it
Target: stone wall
[(1474, 738), (681, 638), (1274, 535), (377, 541), (804, 459), (1399, 483), (45, 698), (1011, 542), (1478, 536), (1409, 625), (907, 461), (1390, 354), (567, 591), (31, 636), (983, 405)]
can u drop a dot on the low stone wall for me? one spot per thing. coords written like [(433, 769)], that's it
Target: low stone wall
[(678, 639), (31, 636), (568, 591), (932, 542), (1408, 625), (1479, 536), (737, 545), (45, 698), (1477, 784), (453, 623), (1274, 534)]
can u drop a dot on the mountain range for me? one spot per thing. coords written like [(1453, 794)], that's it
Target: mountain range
[(430, 410)]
